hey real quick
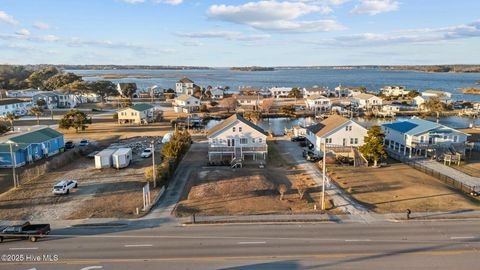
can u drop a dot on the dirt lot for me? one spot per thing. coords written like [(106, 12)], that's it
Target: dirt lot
[(471, 166), (398, 187), (101, 193), (249, 190)]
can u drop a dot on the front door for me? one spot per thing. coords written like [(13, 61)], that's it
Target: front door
[(344, 142), (231, 142)]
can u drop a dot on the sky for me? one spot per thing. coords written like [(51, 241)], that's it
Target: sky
[(224, 33)]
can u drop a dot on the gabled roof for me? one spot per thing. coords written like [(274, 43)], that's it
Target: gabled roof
[(317, 96), (140, 107), (231, 120), (185, 80), (37, 136), (184, 97), (416, 126), (327, 125), (364, 96), (10, 101)]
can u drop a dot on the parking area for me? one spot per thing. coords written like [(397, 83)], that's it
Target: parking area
[(101, 192)]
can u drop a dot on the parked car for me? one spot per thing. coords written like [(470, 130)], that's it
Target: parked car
[(311, 156), (147, 152), (64, 186), (24, 231), (299, 138), (69, 145), (83, 142)]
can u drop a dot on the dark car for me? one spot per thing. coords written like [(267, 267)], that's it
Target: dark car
[(298, 139), (69, 145), (311, 156)]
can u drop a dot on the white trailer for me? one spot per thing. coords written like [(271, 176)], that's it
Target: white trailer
[(122, 158), (103, 159)]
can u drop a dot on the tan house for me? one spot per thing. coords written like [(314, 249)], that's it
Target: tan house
[(136, 114)]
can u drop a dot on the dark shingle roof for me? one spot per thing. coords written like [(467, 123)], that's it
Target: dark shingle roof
[(10, 101), (232, 119), (327, 125), (185, 80)]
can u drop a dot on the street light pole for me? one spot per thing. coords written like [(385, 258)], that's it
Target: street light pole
[(153, 162), (323, 171)]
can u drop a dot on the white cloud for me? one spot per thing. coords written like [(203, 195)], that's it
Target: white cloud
[(277, 16), (409, 36), (170, 2), (6, 18), (134, 1), (374, 7), (41, 25), (229, 35), (23, 32), (192, 43)]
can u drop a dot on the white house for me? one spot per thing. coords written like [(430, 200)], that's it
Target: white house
[(14, 106), (445, 97), (394, 91), (184, 86), (318, 103), (346, 91), (136, 114), (336, 131), (367, 101), (24, 93), (280, 92), (418, 137), (217, 94), (310, 91), (237, 139), (186, 104), (250, 101)]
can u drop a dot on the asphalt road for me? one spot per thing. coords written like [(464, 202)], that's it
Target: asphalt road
[(411, 245)]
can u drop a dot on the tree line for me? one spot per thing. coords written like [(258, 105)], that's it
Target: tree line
[(50, 78)]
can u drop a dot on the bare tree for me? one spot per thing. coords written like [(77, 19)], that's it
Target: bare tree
[(266, 105), (301, 189), (229, 103), (282, 189)]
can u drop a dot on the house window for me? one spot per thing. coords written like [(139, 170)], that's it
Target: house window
[(351, 140), (328, 140), (356, 140), (260, 140), (422, 139), (233, 129), (455, 138), (243, 140), (240, 129), (348, 128)]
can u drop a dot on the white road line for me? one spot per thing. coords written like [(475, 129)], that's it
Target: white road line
[(142, 245), (29, 248), (251, 243), (358, 240), (461, 237)]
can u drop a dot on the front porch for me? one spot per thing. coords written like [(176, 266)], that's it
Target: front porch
[(415, 149), (229, 153)]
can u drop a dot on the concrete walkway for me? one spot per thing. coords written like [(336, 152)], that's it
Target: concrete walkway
[(339, 197), (451, 172)]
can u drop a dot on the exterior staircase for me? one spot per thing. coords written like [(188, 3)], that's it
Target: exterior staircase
[(358, 159), (237, 160)]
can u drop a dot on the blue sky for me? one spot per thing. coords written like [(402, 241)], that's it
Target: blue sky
[(224, 33)]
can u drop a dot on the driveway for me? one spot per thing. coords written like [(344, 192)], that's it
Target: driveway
[(339, 197), (193, 161)]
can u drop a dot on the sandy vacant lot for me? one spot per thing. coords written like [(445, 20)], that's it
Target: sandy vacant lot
[(249, 190), (101, 193), (398, 187)]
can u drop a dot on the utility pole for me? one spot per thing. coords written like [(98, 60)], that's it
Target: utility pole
[(14, 163), (324, 171), (153, 162)]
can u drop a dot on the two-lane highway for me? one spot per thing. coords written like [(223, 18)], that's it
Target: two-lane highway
[(412, 245)]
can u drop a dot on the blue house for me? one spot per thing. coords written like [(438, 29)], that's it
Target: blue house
[(30, 146)]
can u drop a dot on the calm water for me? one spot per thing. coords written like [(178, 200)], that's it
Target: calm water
[(373, 79), (278, 125)]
